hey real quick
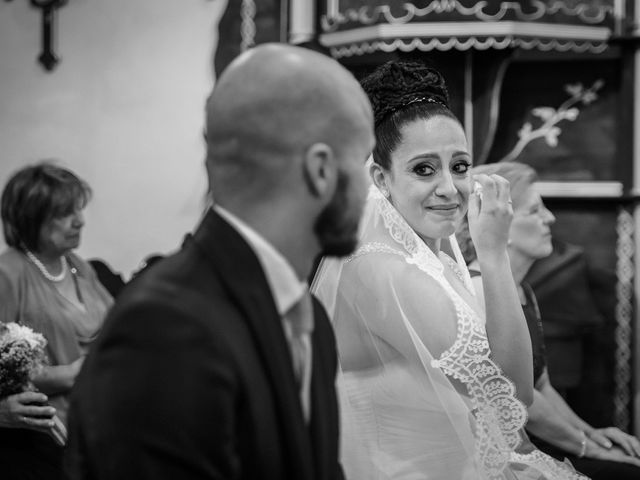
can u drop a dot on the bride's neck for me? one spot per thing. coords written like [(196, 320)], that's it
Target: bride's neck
[(432, 243)]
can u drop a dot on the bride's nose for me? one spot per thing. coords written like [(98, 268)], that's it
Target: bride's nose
[(446, 187)]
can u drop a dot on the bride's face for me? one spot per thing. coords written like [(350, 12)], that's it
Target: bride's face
[(429, 178)]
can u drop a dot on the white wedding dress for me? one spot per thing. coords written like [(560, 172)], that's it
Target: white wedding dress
[(420, 396)]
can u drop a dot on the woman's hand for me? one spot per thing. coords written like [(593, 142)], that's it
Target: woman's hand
[(613, 454), (490, 214), (26, 410), (75, 366), (58, 379), (607, 437)]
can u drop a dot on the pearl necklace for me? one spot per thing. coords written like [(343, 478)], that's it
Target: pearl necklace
[(43, 270)]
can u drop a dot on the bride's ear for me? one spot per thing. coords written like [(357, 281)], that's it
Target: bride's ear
[(379, 178)]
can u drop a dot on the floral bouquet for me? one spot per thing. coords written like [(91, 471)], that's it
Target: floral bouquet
[(22, 356)]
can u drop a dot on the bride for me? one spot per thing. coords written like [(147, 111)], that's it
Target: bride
[(431, 386)]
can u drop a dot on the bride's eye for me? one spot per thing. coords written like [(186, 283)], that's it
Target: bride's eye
[(423, 170), (461, 167)]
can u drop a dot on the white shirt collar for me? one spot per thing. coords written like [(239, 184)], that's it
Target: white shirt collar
[(285, 286)]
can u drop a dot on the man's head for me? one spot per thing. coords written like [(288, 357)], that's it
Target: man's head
[(288, 133)]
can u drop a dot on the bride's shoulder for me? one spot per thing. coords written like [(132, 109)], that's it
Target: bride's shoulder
[(376, 258), (383, 265), (376, 251)]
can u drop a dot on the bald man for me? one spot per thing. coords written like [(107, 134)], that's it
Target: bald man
[(199, 372)]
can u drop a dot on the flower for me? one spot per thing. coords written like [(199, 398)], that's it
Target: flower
[(526, 130), (571, 113), (551, 136), (545, 113), (589, 97), (22, 355), (574, 89), (549, 117)]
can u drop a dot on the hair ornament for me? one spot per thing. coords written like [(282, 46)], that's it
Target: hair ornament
[(396, 85), (423, 99)]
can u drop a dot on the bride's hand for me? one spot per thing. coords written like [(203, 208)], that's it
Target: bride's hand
[(490, 214)]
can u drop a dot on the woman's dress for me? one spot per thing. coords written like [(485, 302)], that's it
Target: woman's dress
[(420, 396), (26, 297), (596, 469)]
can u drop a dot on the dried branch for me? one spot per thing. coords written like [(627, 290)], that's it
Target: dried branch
[(550, 117)]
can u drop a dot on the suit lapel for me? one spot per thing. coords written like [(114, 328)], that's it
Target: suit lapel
[(247, 285)]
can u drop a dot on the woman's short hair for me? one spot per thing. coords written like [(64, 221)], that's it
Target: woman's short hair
[(400, 93), (36, 194), (520, 177)]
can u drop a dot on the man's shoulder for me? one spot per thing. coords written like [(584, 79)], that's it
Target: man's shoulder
[(171, 305), (175, 280), (185, 283)]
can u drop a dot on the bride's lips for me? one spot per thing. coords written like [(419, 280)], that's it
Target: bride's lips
[(444, 209)]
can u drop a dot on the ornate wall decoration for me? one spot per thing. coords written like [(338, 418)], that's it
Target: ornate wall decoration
[(244, 24), (357, 27), (581, 132), (624, 318), (248, 26), (549, 117), (369, 13)]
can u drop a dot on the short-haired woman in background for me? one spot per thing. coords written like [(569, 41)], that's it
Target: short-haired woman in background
[(48, 288)]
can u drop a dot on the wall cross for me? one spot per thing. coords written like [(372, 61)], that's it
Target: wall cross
[(47, 58)]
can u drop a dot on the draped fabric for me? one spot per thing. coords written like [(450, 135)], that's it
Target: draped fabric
[(26, 297), (420, 396)]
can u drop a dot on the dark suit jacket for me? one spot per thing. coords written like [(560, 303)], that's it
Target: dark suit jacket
[(191, 377)]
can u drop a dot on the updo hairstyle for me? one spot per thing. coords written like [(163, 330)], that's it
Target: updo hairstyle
[(400, 93)]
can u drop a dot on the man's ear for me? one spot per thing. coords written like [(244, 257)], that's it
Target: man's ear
[(320, 170)]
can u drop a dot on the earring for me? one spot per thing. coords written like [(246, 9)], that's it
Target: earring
[(384, 192)]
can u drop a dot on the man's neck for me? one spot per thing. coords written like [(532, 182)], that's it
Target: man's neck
[(297, 242)]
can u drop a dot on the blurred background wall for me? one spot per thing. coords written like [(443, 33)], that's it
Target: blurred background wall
[(124, 109)]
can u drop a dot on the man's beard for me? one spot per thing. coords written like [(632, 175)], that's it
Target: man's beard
[(336, 227)]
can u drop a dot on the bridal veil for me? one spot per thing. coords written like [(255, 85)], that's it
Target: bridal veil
[(420, 396)]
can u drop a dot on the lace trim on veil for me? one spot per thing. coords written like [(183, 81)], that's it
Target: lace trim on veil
[(499, 414), (373, 247)]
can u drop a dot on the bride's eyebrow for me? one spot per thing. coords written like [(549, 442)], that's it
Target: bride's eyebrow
[(424, 156)]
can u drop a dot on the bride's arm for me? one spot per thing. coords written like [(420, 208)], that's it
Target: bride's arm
[(489, 221), (399, 305)]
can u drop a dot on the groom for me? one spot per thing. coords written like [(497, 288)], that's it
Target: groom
[(201, 371)]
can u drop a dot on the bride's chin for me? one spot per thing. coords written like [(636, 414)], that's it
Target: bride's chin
[(446, 231)]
